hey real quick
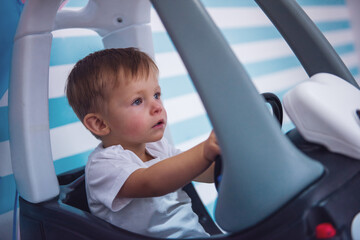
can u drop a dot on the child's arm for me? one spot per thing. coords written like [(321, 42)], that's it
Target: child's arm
[(207, 176), (172, 173)]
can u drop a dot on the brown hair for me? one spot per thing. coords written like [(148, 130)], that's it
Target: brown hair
[(94, 75)]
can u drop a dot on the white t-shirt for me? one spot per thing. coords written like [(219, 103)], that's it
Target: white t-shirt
[(168, 216)]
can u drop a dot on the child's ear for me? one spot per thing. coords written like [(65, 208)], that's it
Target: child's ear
[(96, 124)]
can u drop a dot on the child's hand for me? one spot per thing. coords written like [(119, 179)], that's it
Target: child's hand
[(211, 147)]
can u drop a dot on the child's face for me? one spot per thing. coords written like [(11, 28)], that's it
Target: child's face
[(135, 113)]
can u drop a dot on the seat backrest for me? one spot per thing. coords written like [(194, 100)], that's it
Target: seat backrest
[(73, 193), (72, 189)]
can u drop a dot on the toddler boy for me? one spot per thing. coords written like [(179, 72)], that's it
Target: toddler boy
[(134, 176)]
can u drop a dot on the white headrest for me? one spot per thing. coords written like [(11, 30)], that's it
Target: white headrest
[(324, 110)]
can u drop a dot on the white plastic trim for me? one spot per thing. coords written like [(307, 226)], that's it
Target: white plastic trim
[(324, 111), (122, 23)]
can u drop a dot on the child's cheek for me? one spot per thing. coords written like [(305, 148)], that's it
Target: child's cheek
[(135, 126)]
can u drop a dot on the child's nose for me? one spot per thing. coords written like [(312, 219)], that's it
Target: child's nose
[(156, 108)]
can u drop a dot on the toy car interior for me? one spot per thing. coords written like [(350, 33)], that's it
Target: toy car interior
[(272, 186)]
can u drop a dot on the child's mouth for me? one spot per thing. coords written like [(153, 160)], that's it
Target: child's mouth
[(159, 124)]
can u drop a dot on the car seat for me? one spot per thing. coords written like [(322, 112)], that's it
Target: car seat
[(68, 216)]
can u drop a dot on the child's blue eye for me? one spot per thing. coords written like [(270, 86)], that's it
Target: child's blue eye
[(157, 95), (137, 101)]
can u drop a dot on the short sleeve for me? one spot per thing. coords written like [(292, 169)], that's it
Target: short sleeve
[(169, 149), (173, 151), (105, 176)]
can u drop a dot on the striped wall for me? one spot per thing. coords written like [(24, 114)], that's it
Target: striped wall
[(258, 45)]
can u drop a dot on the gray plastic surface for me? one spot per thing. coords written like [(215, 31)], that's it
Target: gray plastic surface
[(29, 119), (37, 17), (121, 23), (307, 42), (136, 36), (28, 103), (262, 170), (106, 16)]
